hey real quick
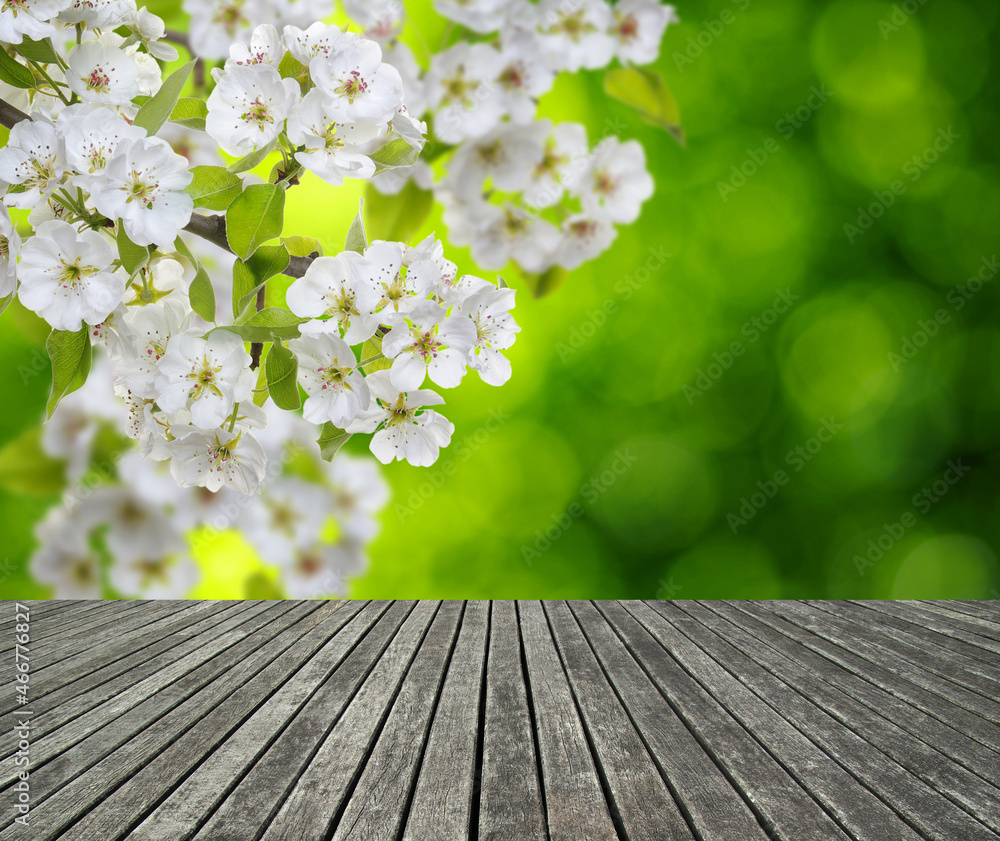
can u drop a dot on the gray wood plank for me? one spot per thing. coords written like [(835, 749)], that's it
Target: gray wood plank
[(987, 609), (950, 740), (57, 707), (710, 804), (73, 747), (291, 671), (378, 804), (247, 809), (641, 803), (61, 792), (975, 624), (789, 812), (971, 632), (907, 690), (575, 804), (511, 806), (927, 649), (321, 789), (442, 802), (857, 639), (807, 701), (858, 810), (180, 814)]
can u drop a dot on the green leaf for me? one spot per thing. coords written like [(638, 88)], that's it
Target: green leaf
[(40, 51), (190, 112), (201, 292), (373, 347), (547, 282), (260, 390), (250, 275), (255, 216), (394, 154), (290, 67), (330, 440), (202, 295), (302, 246), (14, 73), (397, 218), (133, 256), (253, 159), (25, 468), (71, 354), (645, 91), (357, 239), (157, 111), (213, 187), (282, 372), (267, 325)]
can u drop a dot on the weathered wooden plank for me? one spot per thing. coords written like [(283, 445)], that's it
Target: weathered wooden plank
[(788, 811), (857, 639), (943, 736), (378, 804), (574, 800), (247, 809), (988, 609), (971, 633), (511, 806), (179, 815), (61, 792), (916, 627), (809, 702), (65, 752), (710, 804), (442, 802), (858, 810), (925, 648), (321, 789), (70, 700), (640, 801), (164, 765), (973, 624), (904, 689)]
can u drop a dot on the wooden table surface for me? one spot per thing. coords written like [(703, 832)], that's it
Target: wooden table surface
[(508, 721)]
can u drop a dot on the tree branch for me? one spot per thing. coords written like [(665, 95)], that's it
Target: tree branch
[(212, 228), (11, 116)]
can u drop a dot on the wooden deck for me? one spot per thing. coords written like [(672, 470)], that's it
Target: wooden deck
[(526, 721)]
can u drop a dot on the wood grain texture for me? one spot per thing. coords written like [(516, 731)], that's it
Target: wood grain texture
[(507, 721)]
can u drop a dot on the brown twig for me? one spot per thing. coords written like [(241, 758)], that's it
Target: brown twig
[(257, 348)]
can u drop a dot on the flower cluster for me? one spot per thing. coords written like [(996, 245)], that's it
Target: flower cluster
[(514, 187), (125, 524), (352, 101)]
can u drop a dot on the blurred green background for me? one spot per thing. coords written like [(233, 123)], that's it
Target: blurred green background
[(758, 414)]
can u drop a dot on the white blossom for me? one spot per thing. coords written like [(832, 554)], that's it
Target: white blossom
[(35, 160), (574, 33), (152, 325), (248, 108), (328, 371), (31, 18), (461, 88), (322, 571), (218, 458), (489, 312), (430, 344), (206, 376), (66, 276), (616, 183), (144, 187), (340, 287), (319, 39), (91, 135), (333, 150), (265, 47), (402, 428), (638, 28), (10, 250), (286, 519), (360, 87), (103, 73)]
